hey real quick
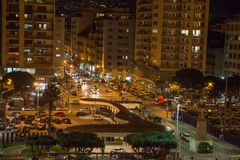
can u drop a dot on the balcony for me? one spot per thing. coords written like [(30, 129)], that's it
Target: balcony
[(12, 27), (44, 37), (44, 11), (43, 46), (12, 18), (145, 2), (28, 11), (44, 2), (15, 10), (43, 19)]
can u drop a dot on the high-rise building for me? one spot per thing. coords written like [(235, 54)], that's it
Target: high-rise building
[(1, 36), (59, 41), (232, 46), (171, 35), (28, 37), (111, 43)]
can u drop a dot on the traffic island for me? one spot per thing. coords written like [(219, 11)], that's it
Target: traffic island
[(200, 142)]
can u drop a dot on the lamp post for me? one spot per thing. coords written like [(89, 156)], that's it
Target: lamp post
[(38, 88), (177, 133)]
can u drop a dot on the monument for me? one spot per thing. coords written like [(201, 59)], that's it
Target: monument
[(201, 133)]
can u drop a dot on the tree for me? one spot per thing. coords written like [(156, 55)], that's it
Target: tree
[(153, 144), (189, 78), (21, 80), (50, 95), (66, 141), (213, 85), (6, 86), (39, 143), (83, 143), (233, 85)]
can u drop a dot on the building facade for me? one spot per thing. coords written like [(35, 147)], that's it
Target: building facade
[(1, 36), (28, 37), (171, 35), (59, 42), (111, 44), (232, 46)]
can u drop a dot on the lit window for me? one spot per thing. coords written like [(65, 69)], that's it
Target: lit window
[(57, 48), (196, 32), (29, 59), (154, 30), (58, 55), (196, 49), (28, 26), (27, 50), (185, 32), (44, 26), (126, 57), (16, 15)]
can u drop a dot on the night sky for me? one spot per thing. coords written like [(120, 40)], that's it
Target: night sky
[(225, 7)]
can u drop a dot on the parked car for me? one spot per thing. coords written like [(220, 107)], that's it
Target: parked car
[(41, 126), (66, 121), (59, 114), (81, 114), (56, 121)]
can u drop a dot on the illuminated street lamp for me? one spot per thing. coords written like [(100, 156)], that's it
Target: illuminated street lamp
[(38, 88)]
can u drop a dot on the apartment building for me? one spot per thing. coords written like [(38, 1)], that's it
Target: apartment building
[(232, 46), (79, 23), (111, 44), (0, 37), (171, 35), (28, 39), (59, 42)]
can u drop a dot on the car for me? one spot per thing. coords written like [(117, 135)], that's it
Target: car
[(14, 114), (185, 137), (97, 118), (84, 82), (30, 118), (61, 109), (41, 126), (25, 129), (16, 120), (55, 156), (27, 122), (106, 84), (59, 114), (81, 114), (66, 121), (108, 90), (28, 108), (32, 126), (21, 117), (56, 121)]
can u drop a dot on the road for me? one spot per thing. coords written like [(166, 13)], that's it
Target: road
[(220, 148)]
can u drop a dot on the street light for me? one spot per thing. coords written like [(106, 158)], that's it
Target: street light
[(38, 88), (177, 133)]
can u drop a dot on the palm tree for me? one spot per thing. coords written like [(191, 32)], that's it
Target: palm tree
[(51, 95)]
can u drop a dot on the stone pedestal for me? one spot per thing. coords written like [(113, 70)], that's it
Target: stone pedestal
[(201, 134), (195, 141)]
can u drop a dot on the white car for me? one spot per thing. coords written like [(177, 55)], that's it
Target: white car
[(61, 109)]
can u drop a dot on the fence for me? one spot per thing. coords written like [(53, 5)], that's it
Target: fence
[(9, 137), (211, 129)]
